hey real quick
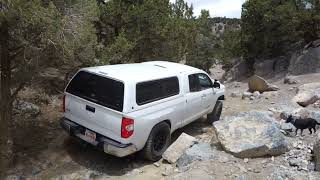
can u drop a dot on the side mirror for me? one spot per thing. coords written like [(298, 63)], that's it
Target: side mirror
[(216, 84)]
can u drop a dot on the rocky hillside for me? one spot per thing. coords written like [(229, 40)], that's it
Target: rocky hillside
[(299, 62)]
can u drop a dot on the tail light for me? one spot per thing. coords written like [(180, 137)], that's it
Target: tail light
[(64, 103), (127, 127)]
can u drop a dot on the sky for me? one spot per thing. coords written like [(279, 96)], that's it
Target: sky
[(228, 8)]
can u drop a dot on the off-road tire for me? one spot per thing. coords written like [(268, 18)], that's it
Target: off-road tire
[(216, 113), (153, 151)]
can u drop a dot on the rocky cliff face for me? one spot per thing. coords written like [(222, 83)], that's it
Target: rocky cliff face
[(304, 61)]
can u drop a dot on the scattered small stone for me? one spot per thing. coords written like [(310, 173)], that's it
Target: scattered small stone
[(223, 159), (264, 161), (246, 160), (242, 177), (311, 166), (246, 95), (14, 177), (35, 171), (237, 85), (242, 168), (292, 89), (290, 80), (293, 162), (235, 94), (167, 171), (256, 94), (255, 170), (137, 171), (156, 164)]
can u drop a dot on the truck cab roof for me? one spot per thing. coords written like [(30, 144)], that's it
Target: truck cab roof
[(139, 72)]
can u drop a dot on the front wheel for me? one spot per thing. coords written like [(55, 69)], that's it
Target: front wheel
[(158, 141), (216, 113)]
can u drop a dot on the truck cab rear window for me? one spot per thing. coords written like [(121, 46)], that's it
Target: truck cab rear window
[(100, 90), (151, 91)]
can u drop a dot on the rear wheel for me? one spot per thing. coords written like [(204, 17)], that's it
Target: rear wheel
[(216, 113), (158, 141)]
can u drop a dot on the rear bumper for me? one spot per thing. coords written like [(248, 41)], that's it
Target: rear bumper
[(108, 145)]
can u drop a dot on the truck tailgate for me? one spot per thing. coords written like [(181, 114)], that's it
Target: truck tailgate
[(94, 117)]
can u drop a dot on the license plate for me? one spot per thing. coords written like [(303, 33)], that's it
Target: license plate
[(90, 135)]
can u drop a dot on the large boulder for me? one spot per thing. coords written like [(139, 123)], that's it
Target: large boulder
[(307, 94), (305, 62), (251, 134), (175, 151), (257, 83)]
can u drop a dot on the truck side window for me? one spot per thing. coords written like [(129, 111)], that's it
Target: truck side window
[(150, 91), (194, 85), (199, 82), (205, 82)]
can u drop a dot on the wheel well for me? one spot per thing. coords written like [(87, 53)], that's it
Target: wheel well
[(221, 98), (168, 122)]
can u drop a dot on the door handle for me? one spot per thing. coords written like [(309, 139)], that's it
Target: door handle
[(91, 109)]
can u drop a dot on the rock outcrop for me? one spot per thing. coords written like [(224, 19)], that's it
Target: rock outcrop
[(237, 72), (250, 134), (257, 83), (270, 67), (306, 62)]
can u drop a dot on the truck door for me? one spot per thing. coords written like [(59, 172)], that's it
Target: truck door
[(193, 99), (206, 91)]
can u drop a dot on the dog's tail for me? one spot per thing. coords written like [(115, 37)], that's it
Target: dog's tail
[(317, 122)]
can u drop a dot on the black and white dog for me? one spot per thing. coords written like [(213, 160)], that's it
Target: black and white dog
[(300, 123)]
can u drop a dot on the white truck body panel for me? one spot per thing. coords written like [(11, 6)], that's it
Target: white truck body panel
[(179, 110)]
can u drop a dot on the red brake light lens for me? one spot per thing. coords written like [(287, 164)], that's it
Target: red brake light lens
[(127, 127)]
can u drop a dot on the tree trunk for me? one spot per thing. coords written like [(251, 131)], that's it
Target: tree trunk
[(5, 101)]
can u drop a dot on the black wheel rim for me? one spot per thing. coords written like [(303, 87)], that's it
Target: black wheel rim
[(159, 141)]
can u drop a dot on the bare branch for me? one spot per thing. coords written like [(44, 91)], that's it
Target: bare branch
[(17, 90), (18, 51)]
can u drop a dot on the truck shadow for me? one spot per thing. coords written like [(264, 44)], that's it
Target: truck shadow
[(96, 160)]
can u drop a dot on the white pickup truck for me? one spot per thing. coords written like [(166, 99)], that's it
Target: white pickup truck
[(127, 108)]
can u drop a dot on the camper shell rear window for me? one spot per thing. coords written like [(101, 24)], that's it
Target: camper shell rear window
[(98, 89)]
